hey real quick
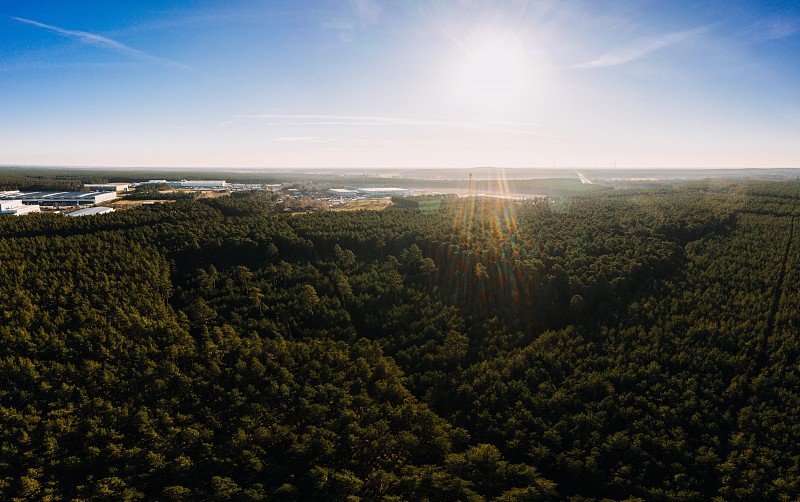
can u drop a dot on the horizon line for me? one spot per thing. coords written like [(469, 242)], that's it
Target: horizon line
[(295, 168)]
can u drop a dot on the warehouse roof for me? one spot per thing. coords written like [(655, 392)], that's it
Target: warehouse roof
[(90, 211), (17, 195)]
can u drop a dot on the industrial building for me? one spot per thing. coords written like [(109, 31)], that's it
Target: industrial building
[(149, 182), (89, 211), (107, 187), (384, 192), (343, 192), (17, 208), (195, 185), (373, 193), (199, 184), (58, 199)]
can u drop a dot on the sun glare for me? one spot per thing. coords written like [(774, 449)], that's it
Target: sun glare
[(495, 69)]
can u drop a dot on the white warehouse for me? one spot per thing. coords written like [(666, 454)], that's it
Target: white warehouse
[(384, 192), (200, 184), (343, 192), (16, 207), (58, 198), (89, 211), (197, 184), (107, 187)]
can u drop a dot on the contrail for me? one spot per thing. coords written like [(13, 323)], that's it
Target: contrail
[(641, 49), (105, 43)]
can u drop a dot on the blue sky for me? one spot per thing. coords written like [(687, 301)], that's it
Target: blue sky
[(363, 83)]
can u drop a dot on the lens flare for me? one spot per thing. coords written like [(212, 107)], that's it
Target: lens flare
[(495, 68)]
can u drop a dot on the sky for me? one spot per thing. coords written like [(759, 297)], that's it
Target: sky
[(400, 84)]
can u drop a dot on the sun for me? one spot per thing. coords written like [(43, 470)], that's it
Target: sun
[(495, 68)]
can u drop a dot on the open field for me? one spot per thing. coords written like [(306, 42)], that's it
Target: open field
[(130, 204), (355, 205)]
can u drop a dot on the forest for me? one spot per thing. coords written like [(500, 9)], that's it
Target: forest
[(610, 345), (491, 181)]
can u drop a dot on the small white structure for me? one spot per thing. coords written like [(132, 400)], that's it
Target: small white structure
[(107, 187), (89, 211), (16, 207), (384, 192)]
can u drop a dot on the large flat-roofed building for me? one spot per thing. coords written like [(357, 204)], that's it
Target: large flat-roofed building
[(203, 184), (384, 192), (150, 182), (343, 192), (107, 187), (89, 211), (16, 207), (58, 198), (198, 184)]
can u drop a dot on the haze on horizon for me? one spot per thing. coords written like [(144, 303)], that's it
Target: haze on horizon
[(363, 83)]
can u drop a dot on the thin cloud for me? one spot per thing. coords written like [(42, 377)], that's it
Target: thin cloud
[(358, 15), (367, 11), (641, 49), (296, 139), (776, 28), (104, 43), (524, 128), (315, 139), (49, 66)]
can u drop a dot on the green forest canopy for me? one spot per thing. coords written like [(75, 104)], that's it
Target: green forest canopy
[(623, 344)]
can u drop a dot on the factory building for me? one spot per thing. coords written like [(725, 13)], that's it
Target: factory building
[(107, 187), (343, 192), (17, 208), (209, 184), (89, 211), (198, 184), (377, 193), (195, 185), (149, 182), (60, 199)]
